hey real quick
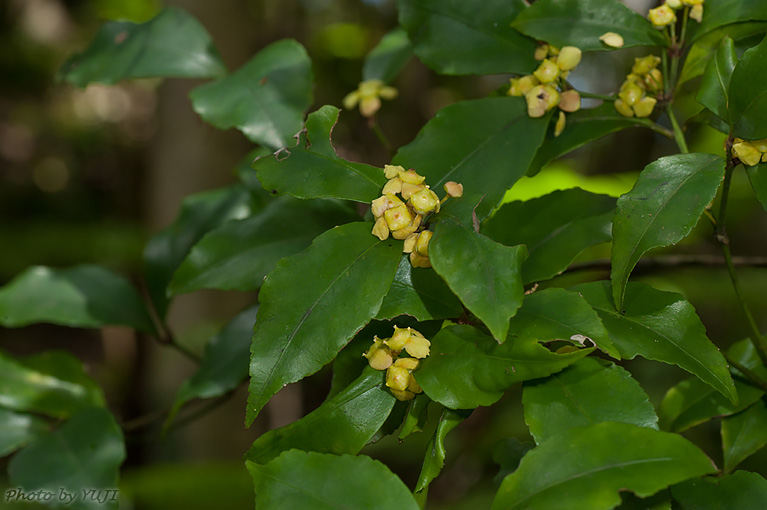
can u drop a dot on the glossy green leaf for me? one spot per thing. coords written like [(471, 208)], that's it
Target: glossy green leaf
[(467, 368), (741, 490), (581, 22), (238, 254), (748, 97), (434, 460), (558, 314), (660, 326), (224, 364), (419, 293), (417, 416), (84, 296), (52, 383), (485, 275), (313, 303), (744, 434), (455, 37), (485, 144), (200, 213), (18, 429), (326, 483), (758, 177), (342, 424), (555, 228), (692, 402), (312, 169), (586, 467), (83, 454), (387, 59), (265, 98), (714, 91), (583, 126), (718, 13), (173, 44), (588, 391), (660, 210)]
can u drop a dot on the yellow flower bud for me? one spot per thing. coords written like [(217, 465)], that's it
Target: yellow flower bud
[(381, 229), (696, 13), (409, 189), (541, 99), (418, 347), (541, 51), (388, 92), (645, 64), (623, 108), (761, 145), (398, 217), (612, 39), (382, 204), (746, 153), (404, 233), (417, 260), (553, 51), (403, 395), (653, 81), (560, 126), (411, 177), (413, 386), (453, 189), (368, 95), (425, 201), (569, 57), (369, 106), (523, 85), (630, 92), (674, 4), (397, 377), (547, 72), (392, 171), (408, 364), (379, 355), (409, 245), (662, 16), (398, 340), (570, 101), (351, 99), (393, 186), (645, 106), (422, 243)]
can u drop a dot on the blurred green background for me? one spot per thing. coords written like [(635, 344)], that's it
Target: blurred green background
[(87, 175)]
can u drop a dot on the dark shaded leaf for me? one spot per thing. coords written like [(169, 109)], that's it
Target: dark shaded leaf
[(718, 13), (741, 490), (744, 434), (748, 97), (434, 460), (388, 58), (757, 175), (417, 416), (508, 453), (265, 98), (173, 44), (18, 429), (714, 91)]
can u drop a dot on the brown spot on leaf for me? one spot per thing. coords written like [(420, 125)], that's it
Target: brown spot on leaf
[(121, 37)]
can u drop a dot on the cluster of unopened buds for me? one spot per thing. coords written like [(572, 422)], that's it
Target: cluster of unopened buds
[(545, 88), (383, 355), (400, 211), (750, 152), (368, 95), (665, 15), (636, 93)]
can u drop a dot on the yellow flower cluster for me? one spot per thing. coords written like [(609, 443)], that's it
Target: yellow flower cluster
[(402, 216), (399, 372), (750, 152), (368, 95), (645, 78), (664, 15), (542, 89)]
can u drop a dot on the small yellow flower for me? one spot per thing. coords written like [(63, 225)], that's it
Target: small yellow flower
[(422, 243), (397, 377), (696, 13), (674, 4), (393, 186), (405, 232), (398, 217), (411, 177), (761, 145), (569, 57), (417, 260), (392, 171), (662, 16), (653, 81), (645, 106), (368, 95), (453, 189), (381, 229), (523, 85), (379, 355), (547, 72), (424, 201), (541, 51), (383, 203), (402, 395), (409, 245), (570, 101), (408, 190), (623, 108), (541, 99), (398, 340), (630, 92), (560, 126), (746, 152), (645, 64), (612, 39)]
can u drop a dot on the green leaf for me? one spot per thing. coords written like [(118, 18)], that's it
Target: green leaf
[(741, 490), (744, 434), (757, 175), (52, 383), (485, 144), (660, 326), (342, 424), (588, 391), (84, 296), (748, 98), (17, 429), (223, 366), (718, 13), (455, 37), (659, 501), (434, 460), (467, 368), (81, 455), (714, 92), (692, 402), (312, 169), (660, 210), (417, 416), (313, 303), (507, 454), (419, 293), (326, 483), (485, 275), (265, 98), (558, 314), (173, 44), (200, 213), (388, 58), (583, 126), (555, 228), (581, 22), (586, 467), (238, 254)]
